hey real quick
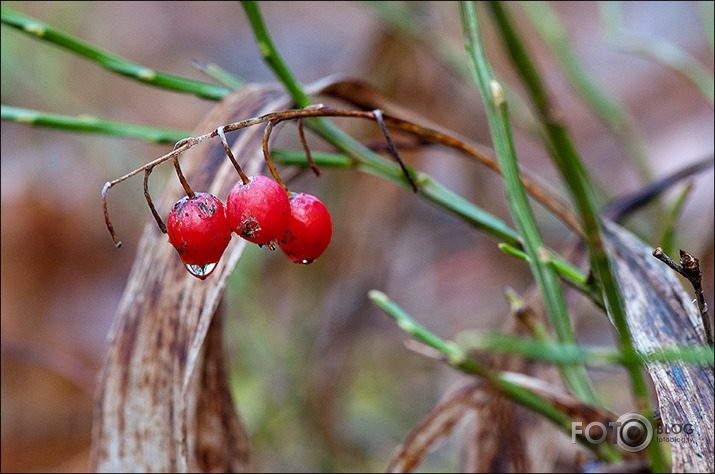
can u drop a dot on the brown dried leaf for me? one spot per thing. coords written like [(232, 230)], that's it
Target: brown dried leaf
[(495, 442), (661, 314), (163, 403), (471, 399), (436, 426)]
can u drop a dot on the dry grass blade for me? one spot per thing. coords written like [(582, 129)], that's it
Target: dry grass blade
[(660, 315), (475, 398), (576, 409), (437, 425), (162, 402), (494, 437)]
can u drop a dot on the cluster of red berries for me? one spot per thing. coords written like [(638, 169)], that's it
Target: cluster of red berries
[(260, 211)]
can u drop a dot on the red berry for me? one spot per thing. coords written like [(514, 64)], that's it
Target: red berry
[(258, 211), (199, 231), (309, 231)]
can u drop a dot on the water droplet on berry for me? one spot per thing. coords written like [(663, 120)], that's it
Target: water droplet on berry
[(201, 271)]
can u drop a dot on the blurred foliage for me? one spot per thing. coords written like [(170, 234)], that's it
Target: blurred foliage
[(319, 375)]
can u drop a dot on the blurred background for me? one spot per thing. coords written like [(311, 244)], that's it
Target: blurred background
[(321, 378)]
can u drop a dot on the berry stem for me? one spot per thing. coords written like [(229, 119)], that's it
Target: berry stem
[(157, 218), (541, 193), (378, 117), (182, 179), (308, 156), (115, 238), (229, 153), (267, 156)]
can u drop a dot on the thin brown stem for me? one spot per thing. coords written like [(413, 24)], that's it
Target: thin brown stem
[(182, 179), (157, 218), (267, 156), (308, 156), (550, 201), (229, 153), (689, 268), (378, 117), (117, 242)]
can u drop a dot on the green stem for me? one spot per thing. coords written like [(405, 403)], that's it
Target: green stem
[(429, 189), (364, 158), (670, 218), (567, 272), (656, 49), (111, 62), (269, 53), (219, 74), (706, 10), (572, 354), (90, 124), (576, 177), (457, 358), (544, 274), (604, 105)]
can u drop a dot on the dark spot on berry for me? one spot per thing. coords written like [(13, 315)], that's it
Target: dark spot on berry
[(249, 228)]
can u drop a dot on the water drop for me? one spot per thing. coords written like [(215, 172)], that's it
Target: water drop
[(201, 271)]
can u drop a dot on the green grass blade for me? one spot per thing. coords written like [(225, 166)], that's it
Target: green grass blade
[(656, 49), (521, 212), (574, 173), (459, 359), (707, 20), (430, 190), (364, 158), (552, 351), (567, 272), (90, 124), (109, 61), (219, 74), (671, 217), (269, 53), (618, 120)]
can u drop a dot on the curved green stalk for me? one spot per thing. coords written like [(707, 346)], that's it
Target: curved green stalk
[(618, 120), (706, 10), (458, 358), (567, 272), (656, 49), (593, 356), (90, 124), (430, 190), (111, 62), (269, 53), (670, 218), (219, 74), (575, 175), (544, 274)]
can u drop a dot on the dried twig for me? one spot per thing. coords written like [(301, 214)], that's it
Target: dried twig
[(620, 207), (541, 194), (156, 215), (308, 155), (381, 122), (267, 155), (690, 269)]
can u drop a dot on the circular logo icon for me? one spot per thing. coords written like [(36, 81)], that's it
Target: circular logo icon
[(634, 432)]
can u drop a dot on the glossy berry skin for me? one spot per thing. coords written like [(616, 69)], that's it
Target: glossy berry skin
[(309, 231), (258, 211), (198, 230)]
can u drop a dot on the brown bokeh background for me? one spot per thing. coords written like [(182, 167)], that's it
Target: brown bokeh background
[(320, 376)]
